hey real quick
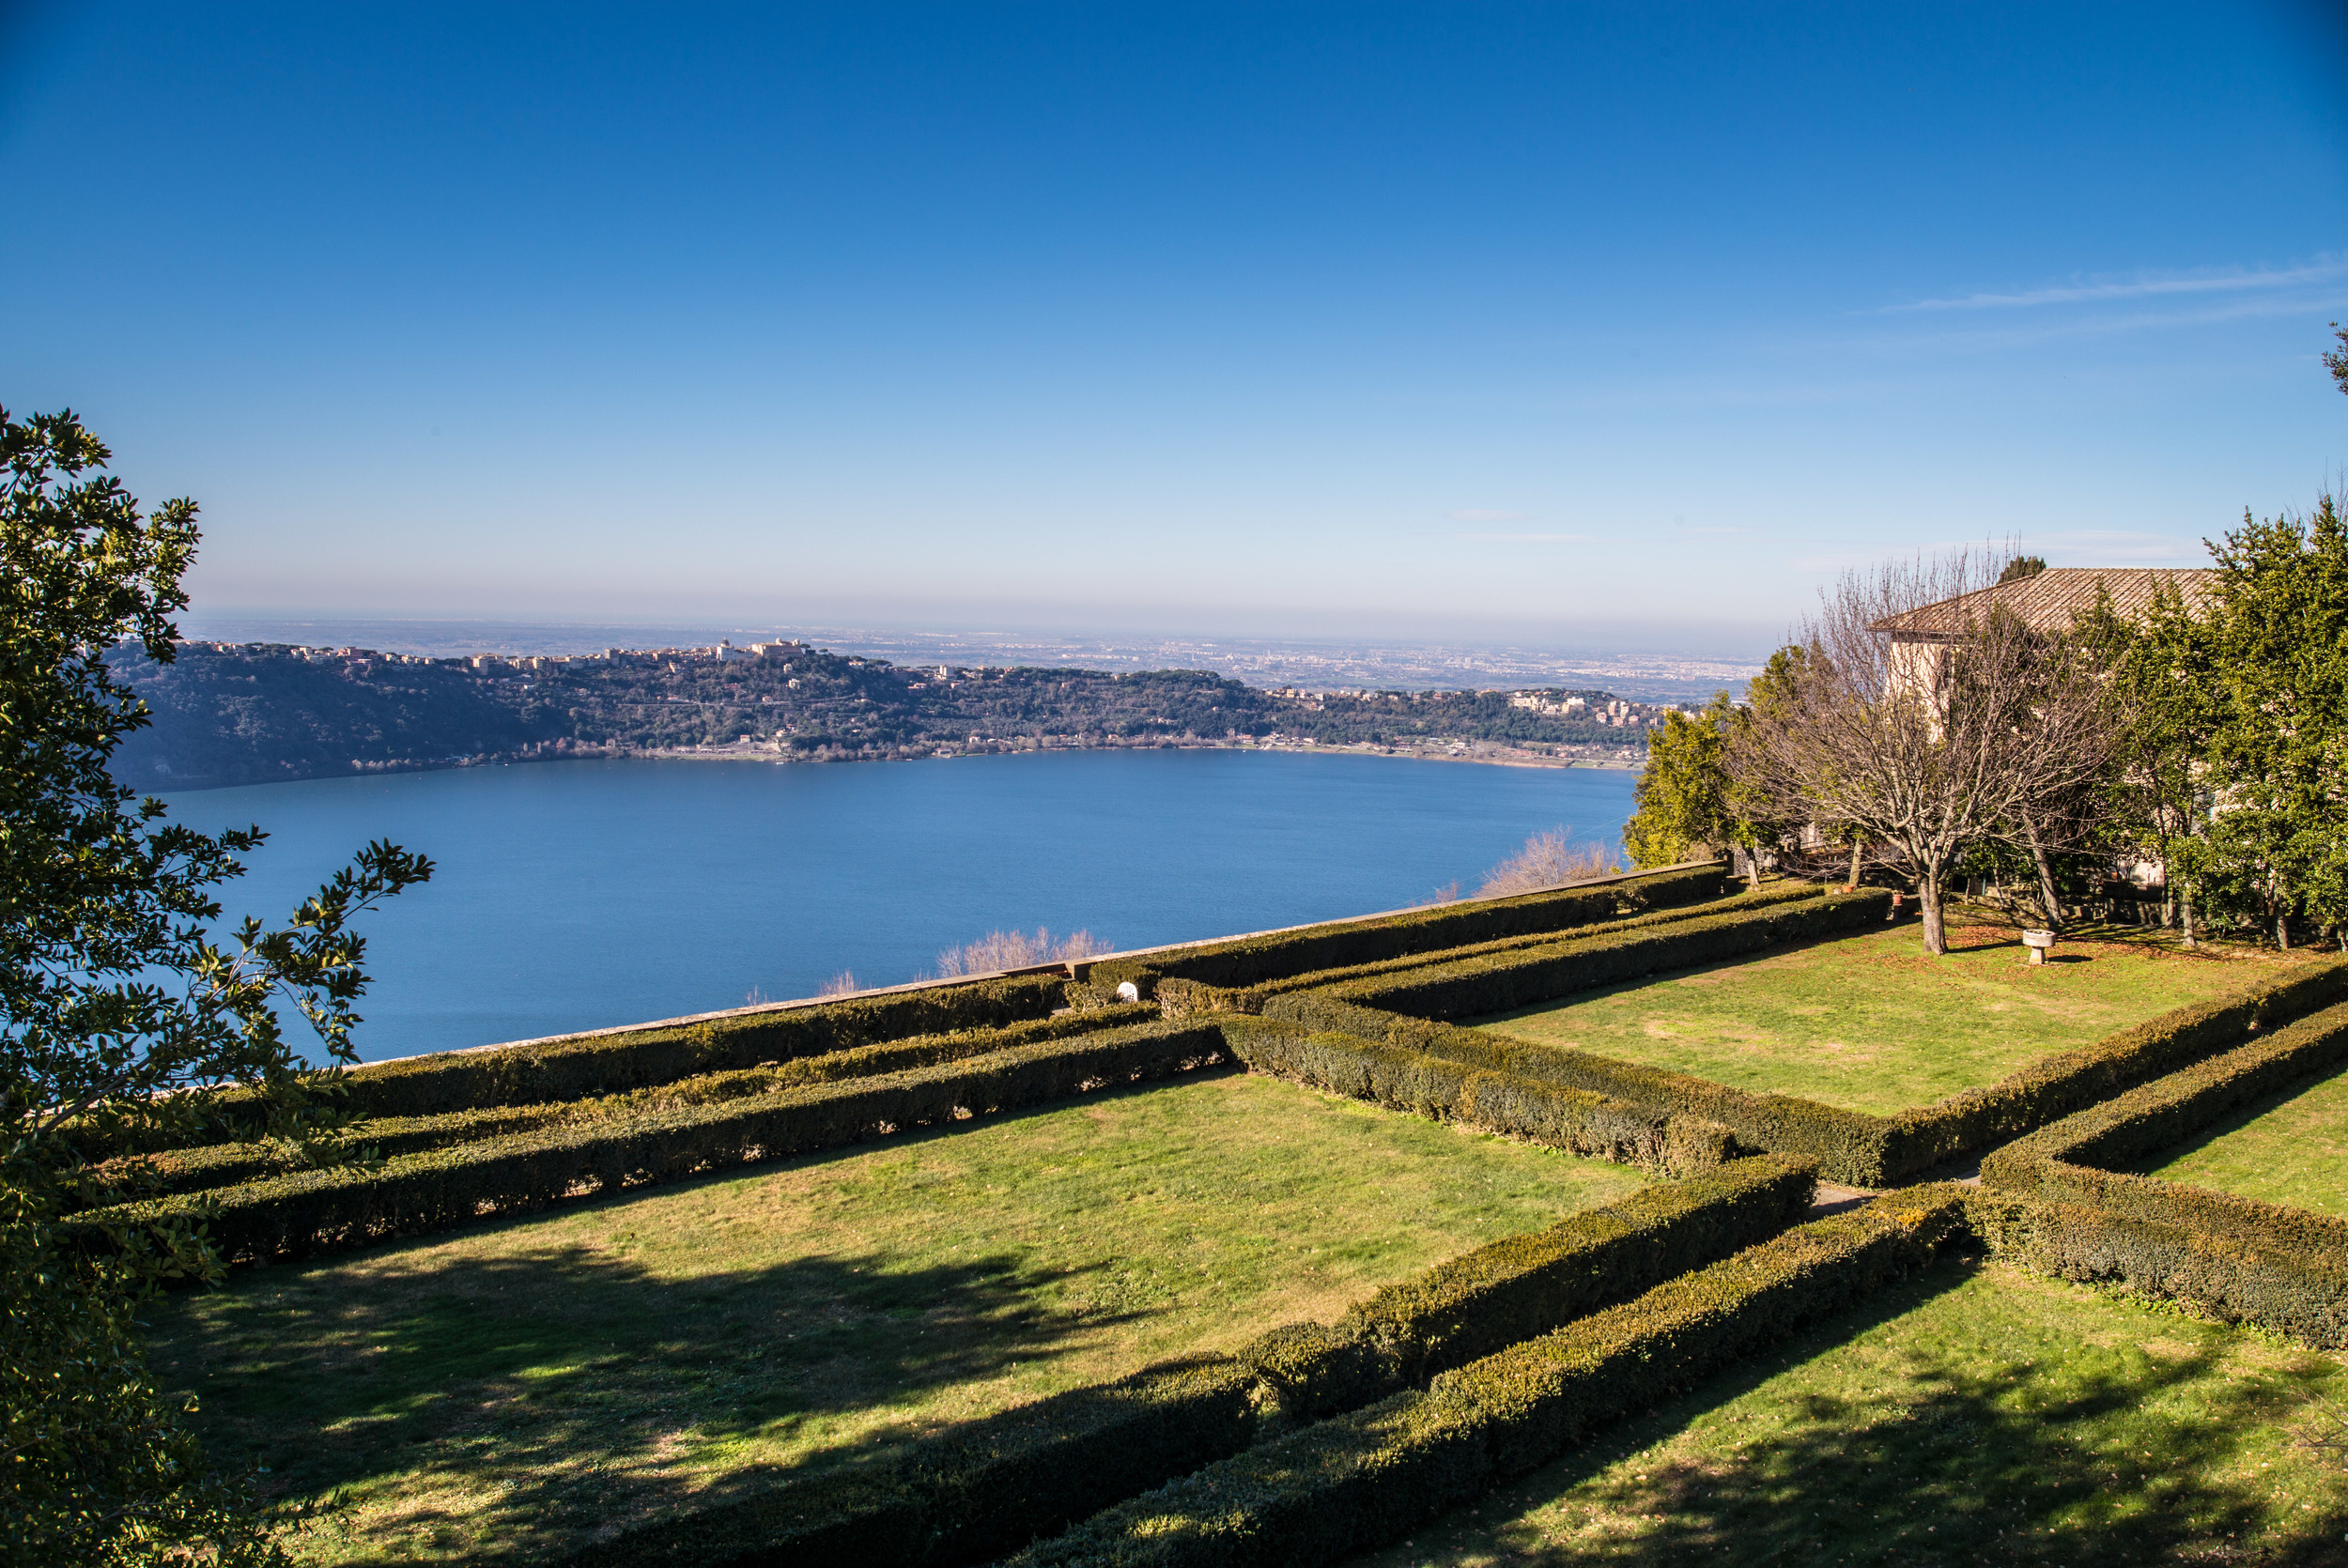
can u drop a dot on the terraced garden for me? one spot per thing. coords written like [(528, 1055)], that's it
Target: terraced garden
[(523, 1383), (1012, 1268), (1872, 1022)]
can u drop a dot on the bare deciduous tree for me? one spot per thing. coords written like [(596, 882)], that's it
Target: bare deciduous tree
[(1927, 718), (1547, 860), (1018, 950)]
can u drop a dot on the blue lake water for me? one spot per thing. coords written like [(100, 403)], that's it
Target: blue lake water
[(577, 895)]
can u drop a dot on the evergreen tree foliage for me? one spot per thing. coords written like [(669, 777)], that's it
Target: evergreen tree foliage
[(1689, 801), (1682, 793), (119, 1018), (2279, 827)]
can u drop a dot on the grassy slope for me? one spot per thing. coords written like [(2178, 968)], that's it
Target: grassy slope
[(500, 1392), (1873, 1023), (2291, 1149), (1978, 1415)]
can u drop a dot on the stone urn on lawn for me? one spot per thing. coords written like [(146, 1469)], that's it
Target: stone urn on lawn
[(2038, 943)]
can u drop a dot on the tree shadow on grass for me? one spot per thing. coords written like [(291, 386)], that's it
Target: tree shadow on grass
[(1929, 1453), (507, 1406)]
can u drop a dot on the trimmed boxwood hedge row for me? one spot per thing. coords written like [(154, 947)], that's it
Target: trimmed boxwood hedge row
[(1006, 1480), (2076, 1217), (1359, 1481), (1179, 996), (1473, 987), (576, 1066), (1576, 1120), (1849, 1146), (976, 1492), (1855, 1146), (347, 1205), (225, 1164), (1513, 1289), (2058, 1085), (1252, 959)]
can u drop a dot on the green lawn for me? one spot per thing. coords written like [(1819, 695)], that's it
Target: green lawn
[(1874, 1023), (504, 1391), (1979, 1415), (2293, 1149)]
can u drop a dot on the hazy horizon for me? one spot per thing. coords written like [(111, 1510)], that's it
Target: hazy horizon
[(1656, 674)]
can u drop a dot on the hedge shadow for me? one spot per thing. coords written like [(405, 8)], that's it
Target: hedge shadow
[(1962, 1476)]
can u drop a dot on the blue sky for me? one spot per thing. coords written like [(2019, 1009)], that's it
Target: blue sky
[(1607, 326)]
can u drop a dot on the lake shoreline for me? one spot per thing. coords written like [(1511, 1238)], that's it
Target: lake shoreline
[(1480, 754)]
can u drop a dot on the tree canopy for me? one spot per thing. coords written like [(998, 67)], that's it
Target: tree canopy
[(122, 1019)]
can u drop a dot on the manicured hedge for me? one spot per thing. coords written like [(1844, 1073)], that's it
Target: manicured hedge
[(2058, 1085), (2077, 1217), (225, 1164), (1541, 1111), (978, 1492), (312, 1210), (1253, 959), (1511, 1290), (576, 1066), (1849, 1146), (1360, 1481), (1495, 984), (1853, 1145), (1179, 996)]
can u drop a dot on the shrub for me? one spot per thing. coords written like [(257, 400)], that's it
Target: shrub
[(1384, 1073), (977, 1492), (576, 1066), (346, 1206), (1018, 950), (1177, 996), (223, 1164), (2058, 1085), (1511, 1290), (1853, 1145), (1251, 959), (1359, 1481), (1546, 860), (2074, 1217), (1498, 982)]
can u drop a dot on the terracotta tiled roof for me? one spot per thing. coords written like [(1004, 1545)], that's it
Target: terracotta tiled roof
[(2054, 597)]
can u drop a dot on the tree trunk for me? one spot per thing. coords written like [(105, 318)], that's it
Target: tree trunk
[(2184, 906), (1928, 897), (1753, 869), (1857, 846), (2048, 902), (2283, 931)]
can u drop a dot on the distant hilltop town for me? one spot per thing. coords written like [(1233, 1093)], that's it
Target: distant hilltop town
[(233, 712)]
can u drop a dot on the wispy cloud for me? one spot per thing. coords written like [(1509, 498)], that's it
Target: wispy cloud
[(2140, 287), (1532, 538), (1474, 515)]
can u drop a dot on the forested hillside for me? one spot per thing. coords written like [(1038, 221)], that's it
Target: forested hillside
[(232, 714)]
